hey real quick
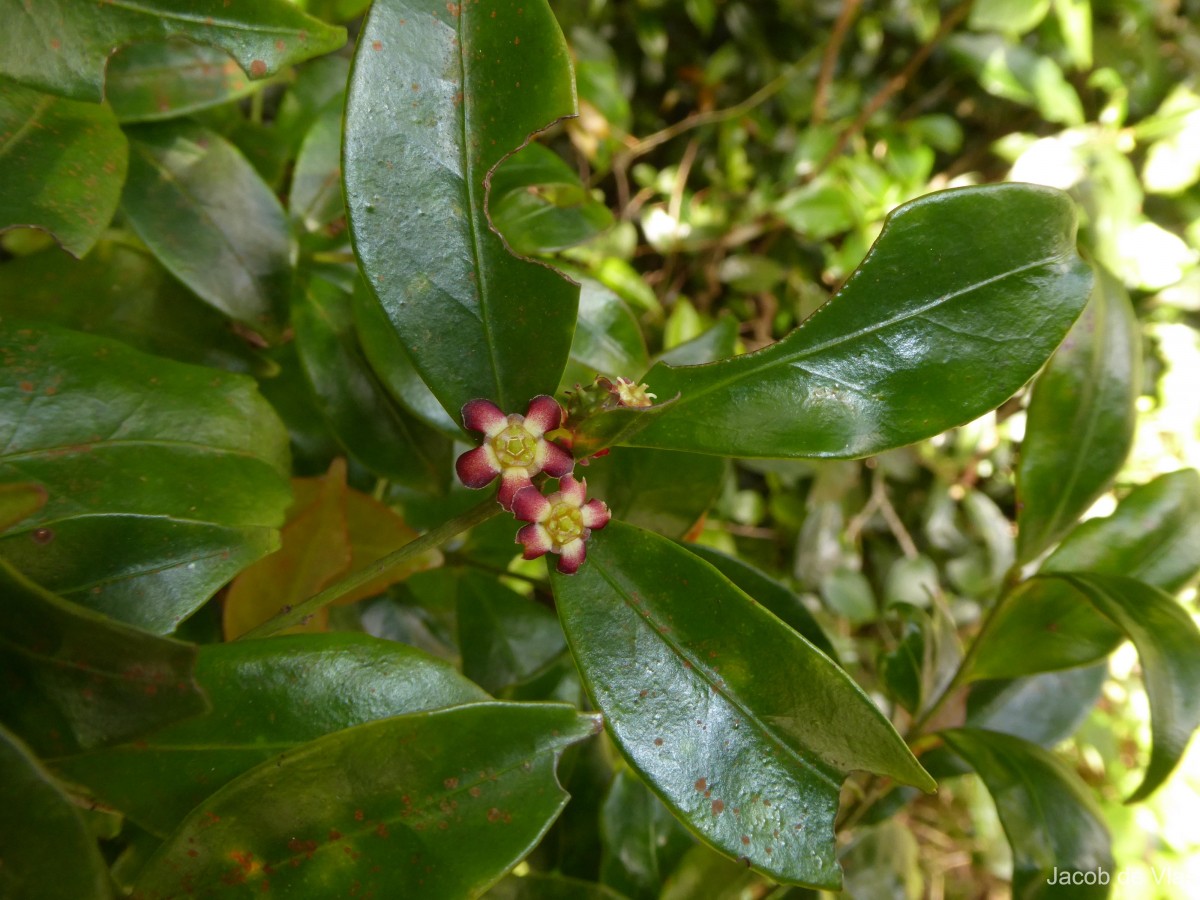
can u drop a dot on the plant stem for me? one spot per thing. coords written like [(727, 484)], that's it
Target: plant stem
[(295, 615)]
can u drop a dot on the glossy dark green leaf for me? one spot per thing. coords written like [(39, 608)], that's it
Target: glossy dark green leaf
[(1052, 823), (164, 479), (316, 196), (125, 294), (540, 886), (267, 697), (75, 679), (777, 597), (1081, 419), (606, 428), (642, 841), (1046, 708), (539, 205), (19, 501), (47, 850), (62, 165), (961, 299), (1168, 646), (435, 804), (608, 340), (62, 46), (439, 95), (394, 367), (146, 82), (211, 220), (505, 638), (741, 726), (380, 434), (716, 342), (1153, 536), (659, 490)]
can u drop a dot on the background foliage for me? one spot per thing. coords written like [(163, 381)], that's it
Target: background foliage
[(235, 426)]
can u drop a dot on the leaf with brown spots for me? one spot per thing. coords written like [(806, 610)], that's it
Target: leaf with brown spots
[(63, 45), (382, 788)]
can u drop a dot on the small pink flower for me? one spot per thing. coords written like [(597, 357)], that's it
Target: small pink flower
[(560, 523), (514, 447)]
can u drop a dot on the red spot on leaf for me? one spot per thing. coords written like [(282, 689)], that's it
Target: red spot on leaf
[(258, 68), (718, 806), (701, 784)]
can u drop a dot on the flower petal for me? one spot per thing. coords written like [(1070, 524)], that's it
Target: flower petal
[(544, 415), (555, 460), (572, 491), (477, 468), (536, 540), (572, 555), (511, 481), (529, 505), (595, 514), (484, 416)]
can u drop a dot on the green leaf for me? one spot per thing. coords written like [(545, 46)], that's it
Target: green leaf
[(539, 205), (455, 85), (1081, 419), (267, 697), (1011, 17), (642, 841), (146, 82), (211, 220), (617, 425), (608, 340), (379, 433), (1153, 536), (1015, 72), (1046, 709), (164, 479), (659, 490), (19, 501), (778, 598), (386, 808), (1053, 825), (717, 342), (741, 726), (62, 46), (505, 638), (316, 196), (76, 679), (62, 165), (125, 294), (956, 279), (394, 367), (48, 854), (1168, 646)]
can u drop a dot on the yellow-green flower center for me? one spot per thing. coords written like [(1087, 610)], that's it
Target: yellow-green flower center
[(515, 447), (564, 524)]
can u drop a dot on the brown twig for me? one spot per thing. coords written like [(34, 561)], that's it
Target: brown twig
[(829, 61)]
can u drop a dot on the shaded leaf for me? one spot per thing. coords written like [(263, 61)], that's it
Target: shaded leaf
[(1168, 646), (505, 638), (388, 808), (378, 432), (1045, 709), (316, 196), (123, 293), (1048, 814), (475, 82), (267, 697), (209, 217), (714, 343), (642, 841), (1153, 536), (538, 886), (75, 679), (539, 205), (62, 165), (741, 726), (1081, 419), (156, 80), (955, 277), (608, 339), (659, 490), (62, 46), (40, 829), (19, 501), (164, 479)]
